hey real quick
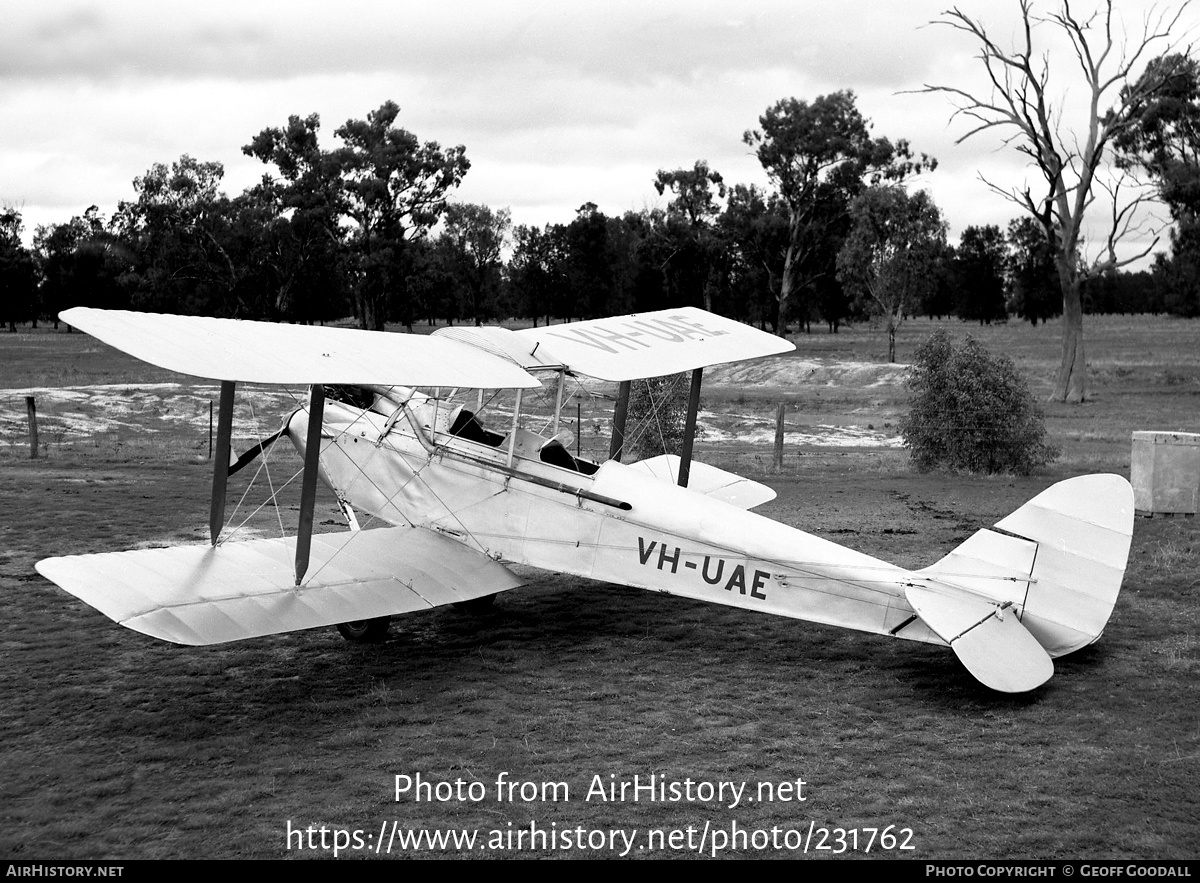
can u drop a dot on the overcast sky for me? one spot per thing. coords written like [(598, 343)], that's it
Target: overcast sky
[(557, 103)]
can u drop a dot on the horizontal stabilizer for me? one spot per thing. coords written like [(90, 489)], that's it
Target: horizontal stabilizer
[(271, 352), (708, 480), (992, 564), (202, 594), (988, 639)]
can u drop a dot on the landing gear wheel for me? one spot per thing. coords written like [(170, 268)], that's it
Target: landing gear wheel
[(476, 606), (365, 631)]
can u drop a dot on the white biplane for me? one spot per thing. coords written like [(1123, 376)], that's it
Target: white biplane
[(459, 498)]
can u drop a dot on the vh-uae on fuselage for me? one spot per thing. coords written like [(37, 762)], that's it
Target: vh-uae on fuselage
[(462, 498)]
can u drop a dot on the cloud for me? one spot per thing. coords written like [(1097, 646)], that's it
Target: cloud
[(636, 43), (556, 103)]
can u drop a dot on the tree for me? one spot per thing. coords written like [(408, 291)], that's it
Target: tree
[(942, 296), (1070, 161), (395, 189), (18, 274), (754, 232), (692, 188), (979, 264), (308, 253), (1034, 290), (389, 185), (1165, 142), (889, 259), (476, 235), (535, 270), (1178, 278), (177, 231), (82, 264), (588, 265), (693, 251), (819, 156), (1164, 135)]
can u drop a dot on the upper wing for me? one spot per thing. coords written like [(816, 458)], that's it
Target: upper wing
[(205, 594), (269, 352), (652, 344)]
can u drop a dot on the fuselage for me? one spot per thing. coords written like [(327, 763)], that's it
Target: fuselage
[(523, 500)]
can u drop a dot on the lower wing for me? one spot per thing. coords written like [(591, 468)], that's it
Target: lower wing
[(202, 594)]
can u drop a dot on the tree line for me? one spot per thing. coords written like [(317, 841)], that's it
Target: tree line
[(368, 228)]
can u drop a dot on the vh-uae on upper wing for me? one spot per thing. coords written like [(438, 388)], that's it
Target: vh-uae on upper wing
[(624, 348)]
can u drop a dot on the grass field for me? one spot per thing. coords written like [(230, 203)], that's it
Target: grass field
[(119, 746)]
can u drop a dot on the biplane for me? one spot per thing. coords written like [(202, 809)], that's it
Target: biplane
[(385, 424)]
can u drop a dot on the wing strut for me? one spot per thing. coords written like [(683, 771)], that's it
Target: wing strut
[(308, 488), (216, 512), (689, 429), (619, 417), (516, 423), (562, 380)]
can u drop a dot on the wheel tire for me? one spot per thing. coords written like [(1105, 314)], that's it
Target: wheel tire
[(365, 631), (476, 606)]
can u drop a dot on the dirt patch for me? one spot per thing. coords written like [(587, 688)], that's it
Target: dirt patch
[(788, 373)]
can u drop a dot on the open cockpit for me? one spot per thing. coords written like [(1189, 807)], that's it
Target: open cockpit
[(444, 423)]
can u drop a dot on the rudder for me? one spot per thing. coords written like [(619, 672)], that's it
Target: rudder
[(1083, 528)]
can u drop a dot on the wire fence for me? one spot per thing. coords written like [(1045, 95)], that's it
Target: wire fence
[(176, 421)]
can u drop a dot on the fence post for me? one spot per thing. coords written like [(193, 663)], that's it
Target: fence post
[(31, 408), (779, 438)]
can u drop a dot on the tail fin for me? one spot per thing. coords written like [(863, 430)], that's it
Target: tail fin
[(1059, 561), (1083, 528)]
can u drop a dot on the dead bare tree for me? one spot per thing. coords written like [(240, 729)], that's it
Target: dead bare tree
[(1071, 163)]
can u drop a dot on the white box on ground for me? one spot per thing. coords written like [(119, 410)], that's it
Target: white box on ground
[(1165, 472)]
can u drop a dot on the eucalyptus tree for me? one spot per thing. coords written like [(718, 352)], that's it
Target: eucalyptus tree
[(363, 201), (535, 271), (754, 231), (395, 189), (889, 259), (82, 263), (819, 156), (177, 230), (693, 255), (476, 236), (1164, 141), (309, 251)]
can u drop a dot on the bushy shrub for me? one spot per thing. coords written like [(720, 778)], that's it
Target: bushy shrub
[(972, 411)]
